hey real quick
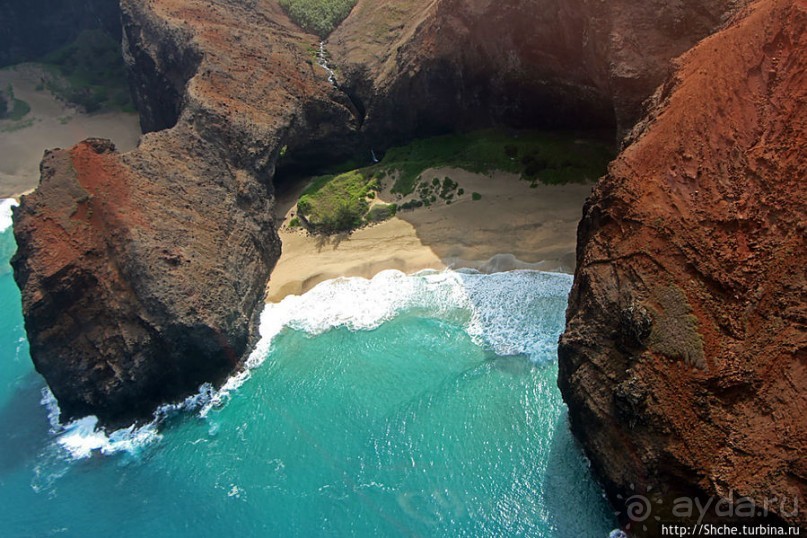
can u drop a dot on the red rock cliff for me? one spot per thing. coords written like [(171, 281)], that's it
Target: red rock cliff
[(684, 361)]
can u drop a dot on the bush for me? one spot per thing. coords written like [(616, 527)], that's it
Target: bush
[(379, 213), (294, 223), (20, 110), (335, 204), (411, 204), (475, 196), (318, 16), (11, 107), (533, 165), (448, 187)]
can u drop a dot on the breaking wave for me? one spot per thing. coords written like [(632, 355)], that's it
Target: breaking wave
[(511, 313)]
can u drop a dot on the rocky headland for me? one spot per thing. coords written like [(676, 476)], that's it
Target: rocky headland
[(684, 362), (141, 272)]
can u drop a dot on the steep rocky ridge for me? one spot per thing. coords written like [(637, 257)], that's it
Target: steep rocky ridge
[(684, 361)]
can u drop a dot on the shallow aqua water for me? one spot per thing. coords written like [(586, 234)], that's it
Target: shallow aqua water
[(408, 405)]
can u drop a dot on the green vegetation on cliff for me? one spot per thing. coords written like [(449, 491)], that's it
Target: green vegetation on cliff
[(318, 16), (91, 72)]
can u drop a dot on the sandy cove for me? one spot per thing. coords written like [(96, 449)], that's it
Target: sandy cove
[(50, 124), (513, 226)]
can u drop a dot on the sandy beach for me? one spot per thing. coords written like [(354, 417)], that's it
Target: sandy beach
[(513, 226), (50, 124)]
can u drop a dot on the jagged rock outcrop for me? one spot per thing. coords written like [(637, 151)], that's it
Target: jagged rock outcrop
[(141, 273), (684, 361), (30, 29)]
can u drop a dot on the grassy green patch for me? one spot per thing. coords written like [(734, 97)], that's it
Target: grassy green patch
[(20, 110), (91, 73), (318, 16), (382, 212), (19, 126), (12, 108), (550, 158), (335, 204), (339, 202)]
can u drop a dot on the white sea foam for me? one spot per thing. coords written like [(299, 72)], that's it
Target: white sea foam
[(511, 313), (80, 438), (518, 312), (5, 213)]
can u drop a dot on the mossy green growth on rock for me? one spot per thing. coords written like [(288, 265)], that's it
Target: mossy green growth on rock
[(335, 204), (675, 328), (320, 17)]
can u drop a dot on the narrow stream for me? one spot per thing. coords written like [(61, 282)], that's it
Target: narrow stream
[(322, 60)]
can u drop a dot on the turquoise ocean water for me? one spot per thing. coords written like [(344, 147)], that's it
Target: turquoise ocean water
[(420, 405)]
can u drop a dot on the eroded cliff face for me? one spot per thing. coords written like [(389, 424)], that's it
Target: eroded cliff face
[(141, 273), (431, 65), (138, 288), (684, 361)]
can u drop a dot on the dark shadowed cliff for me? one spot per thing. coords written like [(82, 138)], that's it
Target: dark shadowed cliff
[(442, 64), (684, 362), (30, 29)]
